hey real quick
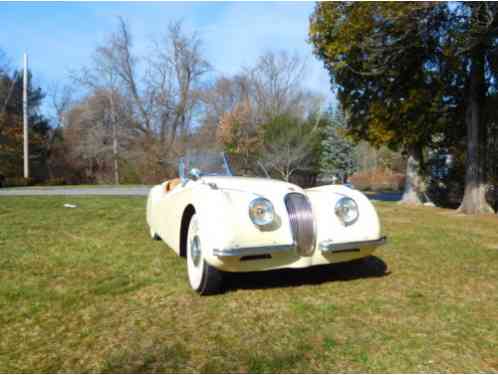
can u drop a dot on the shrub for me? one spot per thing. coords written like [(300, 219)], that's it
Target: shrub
[(18, 182), (54, 181), (378, 180)]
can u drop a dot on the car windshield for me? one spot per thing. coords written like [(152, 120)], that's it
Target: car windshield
[(204, 164)]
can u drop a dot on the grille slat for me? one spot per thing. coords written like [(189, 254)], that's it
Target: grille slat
[(302, 223)]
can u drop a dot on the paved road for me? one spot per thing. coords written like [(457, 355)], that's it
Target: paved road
[(127, 190), (104, 190)]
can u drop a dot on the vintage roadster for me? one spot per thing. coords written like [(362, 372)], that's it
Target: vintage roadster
[(238, 224)]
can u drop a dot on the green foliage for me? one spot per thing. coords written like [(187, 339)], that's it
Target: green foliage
[(281, 145), (11, 126), (383, 59), (291, 144), (417, 75), (338, 156)]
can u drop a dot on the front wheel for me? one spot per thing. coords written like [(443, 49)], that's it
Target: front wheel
[(203, 278)]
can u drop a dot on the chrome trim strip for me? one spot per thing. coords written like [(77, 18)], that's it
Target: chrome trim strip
[(329, 247), (258, 250)]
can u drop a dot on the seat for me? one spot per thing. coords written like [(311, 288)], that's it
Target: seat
[(171, 184)]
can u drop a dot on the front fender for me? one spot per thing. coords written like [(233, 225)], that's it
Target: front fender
[(213, 209), (330, 228), (225, 222)]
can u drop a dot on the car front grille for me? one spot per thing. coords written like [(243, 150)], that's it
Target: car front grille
[(302, 223)]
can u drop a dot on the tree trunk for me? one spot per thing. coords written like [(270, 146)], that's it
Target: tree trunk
[(414, 186), (90, 173), (114, 140), (474, 199), (115, 154)]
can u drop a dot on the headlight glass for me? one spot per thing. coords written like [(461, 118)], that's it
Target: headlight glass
[(261, 212), (347, 210)]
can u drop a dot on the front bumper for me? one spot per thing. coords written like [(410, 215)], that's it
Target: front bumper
[(249, 251), (331, 247), (324, 247)]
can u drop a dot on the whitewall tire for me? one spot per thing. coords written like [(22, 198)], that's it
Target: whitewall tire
[(203, 278)]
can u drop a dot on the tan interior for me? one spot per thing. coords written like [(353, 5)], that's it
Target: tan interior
[(171, 184)]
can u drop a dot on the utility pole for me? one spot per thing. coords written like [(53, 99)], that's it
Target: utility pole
[(25, 116)]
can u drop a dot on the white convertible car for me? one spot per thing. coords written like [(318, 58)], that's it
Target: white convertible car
[(238, 224)]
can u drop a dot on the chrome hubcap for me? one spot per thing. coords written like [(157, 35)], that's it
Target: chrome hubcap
[(195, 250)]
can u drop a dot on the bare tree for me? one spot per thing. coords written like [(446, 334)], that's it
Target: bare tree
[(161, 91), (61, 97), (277, 83), (166, 97), (224, 97), (89, 132), (105, 76), (290, 129), (4, 63), (264, 113), (118, 56), (61, 100), (176, 71)]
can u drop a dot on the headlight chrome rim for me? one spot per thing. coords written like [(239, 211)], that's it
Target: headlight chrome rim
[(261, 212), (346, 209)]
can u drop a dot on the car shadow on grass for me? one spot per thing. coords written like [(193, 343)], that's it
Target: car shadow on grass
[(368, 267)]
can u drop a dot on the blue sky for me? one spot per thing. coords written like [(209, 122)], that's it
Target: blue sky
[(60, 37)]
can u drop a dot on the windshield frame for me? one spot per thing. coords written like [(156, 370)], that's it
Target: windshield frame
[(184, 175)]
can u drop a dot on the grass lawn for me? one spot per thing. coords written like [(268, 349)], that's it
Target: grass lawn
[(85, 290)]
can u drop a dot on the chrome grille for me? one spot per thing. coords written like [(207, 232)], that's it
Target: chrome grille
[(302, 222)]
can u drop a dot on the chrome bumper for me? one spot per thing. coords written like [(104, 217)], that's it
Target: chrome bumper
[(325, 247), (331, 247), (248, 251)]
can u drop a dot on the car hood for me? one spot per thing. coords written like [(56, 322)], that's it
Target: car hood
[(255, 185)]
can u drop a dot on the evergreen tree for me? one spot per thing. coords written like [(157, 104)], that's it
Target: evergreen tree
[(338, 156), (389, 75), (474, 41), (417, 77), (11, 126)]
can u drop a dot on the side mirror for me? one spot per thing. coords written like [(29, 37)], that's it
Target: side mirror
[(194, 174)]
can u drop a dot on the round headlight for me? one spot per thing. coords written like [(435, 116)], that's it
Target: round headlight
[(347, 210), (261, 212)]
